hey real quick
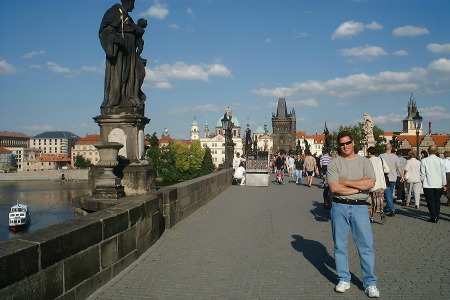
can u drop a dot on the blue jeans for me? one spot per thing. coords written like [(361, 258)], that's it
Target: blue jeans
[(356, 217), (388, 194), (298, 173)]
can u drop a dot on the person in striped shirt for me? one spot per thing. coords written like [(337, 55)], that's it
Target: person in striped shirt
[(324, 161)]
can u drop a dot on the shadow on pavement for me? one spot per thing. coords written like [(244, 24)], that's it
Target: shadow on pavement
[(317, 255), (320, 213)]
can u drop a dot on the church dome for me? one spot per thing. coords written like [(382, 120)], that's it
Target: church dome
[(233, 119), (259, 130)]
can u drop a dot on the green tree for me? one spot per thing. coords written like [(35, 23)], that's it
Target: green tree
[(207, 163), (81, 162), (153, 153)]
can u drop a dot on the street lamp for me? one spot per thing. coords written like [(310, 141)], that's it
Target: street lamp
[(226, 126), (417, 125)]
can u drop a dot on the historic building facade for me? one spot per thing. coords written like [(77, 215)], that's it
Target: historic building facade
[(54, 142), (284, 127), (85, 147)]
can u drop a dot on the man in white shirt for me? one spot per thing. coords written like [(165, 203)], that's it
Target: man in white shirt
[(239, 173), (432, 174), (447, 175), (236, 161)]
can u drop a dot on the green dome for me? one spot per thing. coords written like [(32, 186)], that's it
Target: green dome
[(259, 130), (233, 119)]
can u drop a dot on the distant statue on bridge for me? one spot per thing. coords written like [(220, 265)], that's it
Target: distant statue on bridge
[(368, 127), (121, 39)]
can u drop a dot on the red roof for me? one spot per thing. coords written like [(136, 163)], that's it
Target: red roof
[(90, 139), (47, 157), (4, 150)]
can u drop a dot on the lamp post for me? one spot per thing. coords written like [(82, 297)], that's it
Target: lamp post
[(229, 145), (417, 125)]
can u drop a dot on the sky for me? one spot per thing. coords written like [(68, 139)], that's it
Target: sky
[(333, 60)]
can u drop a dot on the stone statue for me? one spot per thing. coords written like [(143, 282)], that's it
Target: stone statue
[(121, 39), (368, 127)]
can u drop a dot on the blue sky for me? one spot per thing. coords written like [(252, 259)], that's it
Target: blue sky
[(332, 61)]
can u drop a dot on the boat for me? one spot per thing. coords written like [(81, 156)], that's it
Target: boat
[(19, 216)]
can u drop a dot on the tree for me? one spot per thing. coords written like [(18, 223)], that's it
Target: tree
[(81, 162), (357, 133), (207, 163), (153, 153)]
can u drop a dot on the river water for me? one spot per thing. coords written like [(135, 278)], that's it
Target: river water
[(49, 202)]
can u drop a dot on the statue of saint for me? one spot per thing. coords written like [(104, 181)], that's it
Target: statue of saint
[(368, 126), (121, 39)]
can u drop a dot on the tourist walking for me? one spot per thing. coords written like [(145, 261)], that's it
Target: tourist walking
[(279, 165), (376, 194), (350, 177), (309, 166), (400, 184), (395, 170), (412, 176), (324, 161), (432, 174), (299, 161), (447, 175)]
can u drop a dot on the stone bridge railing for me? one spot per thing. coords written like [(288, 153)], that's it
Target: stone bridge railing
[(75, 258)]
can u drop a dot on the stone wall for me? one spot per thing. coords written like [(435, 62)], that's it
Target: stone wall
[(73, 259)]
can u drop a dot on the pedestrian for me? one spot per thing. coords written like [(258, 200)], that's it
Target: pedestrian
[(400, 184), (350, 177), (291, 165), (395, 170), (309, 166), (432, 174), (447, 175), (279, 165), (412, 176), (299, 162), (376, 194), (324, 161)]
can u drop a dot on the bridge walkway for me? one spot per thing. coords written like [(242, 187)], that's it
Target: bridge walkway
[(275, 243)]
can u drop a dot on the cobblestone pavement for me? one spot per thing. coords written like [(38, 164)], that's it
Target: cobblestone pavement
[(275, 243)]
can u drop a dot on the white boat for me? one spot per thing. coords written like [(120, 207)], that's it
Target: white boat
[(19, 216)]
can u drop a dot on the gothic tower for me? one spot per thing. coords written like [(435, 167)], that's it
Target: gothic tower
[(408, 122), (284, 126)]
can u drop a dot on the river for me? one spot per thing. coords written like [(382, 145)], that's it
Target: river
[(50, 202)]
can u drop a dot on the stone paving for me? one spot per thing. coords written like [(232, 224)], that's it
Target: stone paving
[(275, 243)]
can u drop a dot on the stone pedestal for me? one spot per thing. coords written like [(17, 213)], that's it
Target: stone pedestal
[(126, 129)]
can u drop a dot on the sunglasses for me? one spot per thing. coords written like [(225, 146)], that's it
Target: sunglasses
[(346, 143)]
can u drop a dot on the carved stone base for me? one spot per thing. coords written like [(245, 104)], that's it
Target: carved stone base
[(108, 192), (138, 179)]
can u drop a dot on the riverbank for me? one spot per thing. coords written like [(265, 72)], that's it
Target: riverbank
[(71, 174)]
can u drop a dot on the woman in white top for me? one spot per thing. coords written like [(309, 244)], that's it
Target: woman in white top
[(412, 175)]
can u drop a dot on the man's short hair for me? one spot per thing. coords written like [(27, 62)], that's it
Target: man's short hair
[(343, 134), (237, 153), (388, 146), (371, 150), (433, 149)]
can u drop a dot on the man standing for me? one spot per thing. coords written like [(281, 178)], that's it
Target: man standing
[(350, 177), (399, 184), (395, 168), (432, 174)]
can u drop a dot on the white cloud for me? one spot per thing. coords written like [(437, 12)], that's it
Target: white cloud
[(434, 113), (308, 102), (174, 26), (158, 77), (365, 53), (6, 68), (34, 53), (401, 53), (350, 28), (361, 86), (158, 10), (437, 48), (39, 128), (410, 30), (442, 65), (99, 70), (35, 67), (56, 68), (190, 109), (268, 41), (190, 12)]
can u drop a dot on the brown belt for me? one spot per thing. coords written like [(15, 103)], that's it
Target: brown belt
[(350, 201)]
